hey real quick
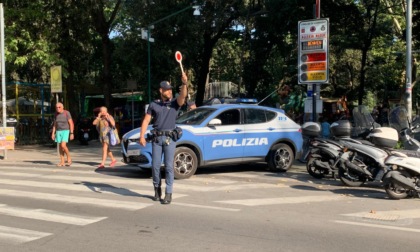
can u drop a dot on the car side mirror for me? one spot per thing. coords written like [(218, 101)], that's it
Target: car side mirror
[(215, 121)]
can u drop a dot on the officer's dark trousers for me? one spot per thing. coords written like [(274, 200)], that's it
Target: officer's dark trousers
[(159, 148)]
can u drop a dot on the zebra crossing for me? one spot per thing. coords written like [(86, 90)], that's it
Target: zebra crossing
[(118, 190), (61, 186)]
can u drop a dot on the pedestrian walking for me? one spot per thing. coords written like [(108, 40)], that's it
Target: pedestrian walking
[(62, 131), (105, 123), (164, 113)]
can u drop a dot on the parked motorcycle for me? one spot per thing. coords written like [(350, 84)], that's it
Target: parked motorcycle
[(84, 127), (403, 179), (366, 160), (398, 119), (321, 155), (362, 162)]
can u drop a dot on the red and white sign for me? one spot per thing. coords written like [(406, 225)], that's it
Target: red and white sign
[(178, 57)]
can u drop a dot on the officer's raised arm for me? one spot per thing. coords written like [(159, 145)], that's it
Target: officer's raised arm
[(183, 91)]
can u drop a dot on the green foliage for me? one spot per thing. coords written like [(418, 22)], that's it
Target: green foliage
[(248, 42)]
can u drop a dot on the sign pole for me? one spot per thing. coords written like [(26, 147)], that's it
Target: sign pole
[(314, 91), (408, 83), (3, 73)]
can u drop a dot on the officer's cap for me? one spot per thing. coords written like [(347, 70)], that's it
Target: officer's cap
[(165, 85)]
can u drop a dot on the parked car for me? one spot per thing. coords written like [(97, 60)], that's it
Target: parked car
[(225, 134)]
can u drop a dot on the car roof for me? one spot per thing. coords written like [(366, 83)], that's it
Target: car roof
[(230, 106)]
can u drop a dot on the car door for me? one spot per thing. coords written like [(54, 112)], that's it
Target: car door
[(225, 140), (260, 132)]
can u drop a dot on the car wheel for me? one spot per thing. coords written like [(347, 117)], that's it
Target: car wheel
[(185, 163), (280, 157)]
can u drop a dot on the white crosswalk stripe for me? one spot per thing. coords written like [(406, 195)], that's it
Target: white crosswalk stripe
[(284, 200), (15, 236), (127, 205), (146, 183), (49, 215)]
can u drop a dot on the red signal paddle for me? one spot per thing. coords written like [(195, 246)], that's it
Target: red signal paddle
[(178, 57)]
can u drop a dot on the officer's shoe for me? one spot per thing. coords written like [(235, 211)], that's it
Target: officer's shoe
[(158, 194), (167, 199)]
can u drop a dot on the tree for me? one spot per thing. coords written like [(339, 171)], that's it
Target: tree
[(103, 16)]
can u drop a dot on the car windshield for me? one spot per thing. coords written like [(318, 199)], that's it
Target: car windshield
[(195, 116)]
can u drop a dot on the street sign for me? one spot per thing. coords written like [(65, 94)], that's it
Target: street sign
[(309, 106), (56, 80), (313, 51)]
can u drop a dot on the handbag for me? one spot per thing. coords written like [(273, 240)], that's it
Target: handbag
[(114, 138)]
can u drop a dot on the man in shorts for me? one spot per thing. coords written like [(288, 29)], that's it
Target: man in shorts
[(63, 131)]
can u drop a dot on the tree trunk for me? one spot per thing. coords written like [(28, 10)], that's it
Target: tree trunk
[(106, 76), (362, 77), (204, 69)]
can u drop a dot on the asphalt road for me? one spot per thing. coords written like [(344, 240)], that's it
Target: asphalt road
[(236, 208)]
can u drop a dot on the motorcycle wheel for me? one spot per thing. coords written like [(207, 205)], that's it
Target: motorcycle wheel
[(313, 171), (394, 190), (351, 178)]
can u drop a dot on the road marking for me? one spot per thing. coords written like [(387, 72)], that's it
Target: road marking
[(283, 200), (207, 207), (399, 214), (49, 171), (179, 186), (17, 236), (82, 187), (49, 215), (67, 170), (127, 205), (378, 226), (236, 175)]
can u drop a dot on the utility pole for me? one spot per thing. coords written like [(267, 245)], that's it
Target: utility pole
[(408, 84)]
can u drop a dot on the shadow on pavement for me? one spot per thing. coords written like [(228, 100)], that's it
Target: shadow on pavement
[(101, 187), (125, 172), (40, 162), (208, 170)]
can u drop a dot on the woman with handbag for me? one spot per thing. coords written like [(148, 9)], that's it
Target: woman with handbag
[(105, 124)]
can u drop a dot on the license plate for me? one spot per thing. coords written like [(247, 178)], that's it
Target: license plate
[(86, 135), (133, 152)]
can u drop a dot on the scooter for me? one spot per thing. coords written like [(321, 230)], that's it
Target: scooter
[(403, 179), (84, 128), (321, 155), (366, 160), (398, 119)]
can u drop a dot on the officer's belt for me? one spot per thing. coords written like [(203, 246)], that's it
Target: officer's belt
[(163, 133)]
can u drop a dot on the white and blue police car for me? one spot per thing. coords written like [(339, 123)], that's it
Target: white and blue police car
[(225, 134)]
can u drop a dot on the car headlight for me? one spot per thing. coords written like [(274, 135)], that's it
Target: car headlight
[(134, 140)]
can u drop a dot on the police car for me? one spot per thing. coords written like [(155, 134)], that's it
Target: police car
[(225, 134)]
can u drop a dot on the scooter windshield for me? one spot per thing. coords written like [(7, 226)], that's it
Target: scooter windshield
[(362, 117), (398, 118)]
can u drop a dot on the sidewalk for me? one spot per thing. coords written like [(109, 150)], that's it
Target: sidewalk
[(82, 155)]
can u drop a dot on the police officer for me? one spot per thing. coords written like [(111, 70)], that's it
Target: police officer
[(164, 112)]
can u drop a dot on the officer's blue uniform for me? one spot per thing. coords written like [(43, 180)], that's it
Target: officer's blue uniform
[(164, 114)]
